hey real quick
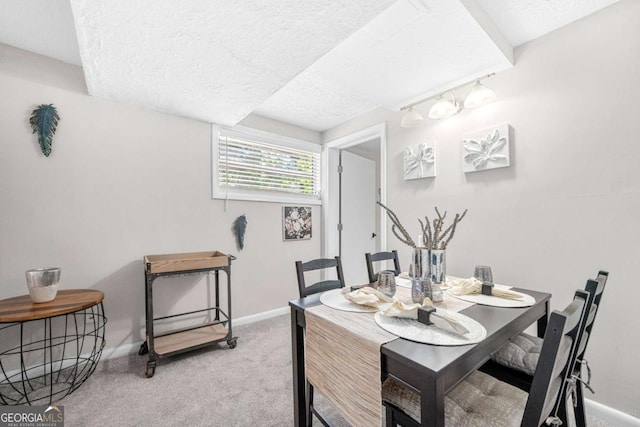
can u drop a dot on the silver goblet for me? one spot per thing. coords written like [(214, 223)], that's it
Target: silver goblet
[(387, 282)]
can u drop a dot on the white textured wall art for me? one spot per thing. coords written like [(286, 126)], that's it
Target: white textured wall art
[(421, 162), (486, 149)]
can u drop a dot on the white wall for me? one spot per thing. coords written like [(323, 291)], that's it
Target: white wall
[(121, 183), (569, 204)]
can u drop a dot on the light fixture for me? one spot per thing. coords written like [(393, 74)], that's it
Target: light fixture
[(411, 118), (479, 95), (445, 106)]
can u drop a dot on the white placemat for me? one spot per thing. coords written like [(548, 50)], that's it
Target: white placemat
[(524, 301), (430, 334), (335, 299)]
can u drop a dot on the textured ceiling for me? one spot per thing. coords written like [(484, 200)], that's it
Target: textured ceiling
[(213, 61), (524, 20), (398, 57), (44, 27), (310, 63)]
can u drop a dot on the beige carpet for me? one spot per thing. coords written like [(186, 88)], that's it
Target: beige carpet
[(250, 385)]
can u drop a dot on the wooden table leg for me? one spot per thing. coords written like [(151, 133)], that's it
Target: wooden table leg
[(297, 360), (542, 322), (432, 402)]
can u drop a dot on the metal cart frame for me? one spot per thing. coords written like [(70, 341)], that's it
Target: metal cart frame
[(191, 338)]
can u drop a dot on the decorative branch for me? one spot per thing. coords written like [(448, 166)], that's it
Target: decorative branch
[(394, 229), (428, 236), (396, 224), (437, 225), (434, 233), (452, 228)]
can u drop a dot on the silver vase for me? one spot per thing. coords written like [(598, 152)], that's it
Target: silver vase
[(420, 263), (43, 283), (438, 265)]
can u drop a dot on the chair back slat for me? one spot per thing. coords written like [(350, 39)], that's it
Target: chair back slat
[(595, 287), (381, 256), (324, 285), (319, 264), (555, 362)]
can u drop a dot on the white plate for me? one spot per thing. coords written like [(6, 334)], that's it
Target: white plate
[(335, 299), (524, 301), (430, 334)]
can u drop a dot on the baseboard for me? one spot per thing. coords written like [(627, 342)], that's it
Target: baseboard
[(131, 348), (609, 415), (260, 316)]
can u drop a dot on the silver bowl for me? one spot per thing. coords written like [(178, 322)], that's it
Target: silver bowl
[(43, 283)]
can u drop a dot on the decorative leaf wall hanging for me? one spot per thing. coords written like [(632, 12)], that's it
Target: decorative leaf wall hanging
[(239, 227), (44, 121)]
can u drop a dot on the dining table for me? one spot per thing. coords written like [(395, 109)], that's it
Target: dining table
[(432, 370)]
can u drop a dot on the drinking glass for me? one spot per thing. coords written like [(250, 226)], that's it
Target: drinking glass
[(387, 282), (483, 274), (420, 289), (436, 293)]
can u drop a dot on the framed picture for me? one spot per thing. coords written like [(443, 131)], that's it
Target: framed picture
[(486, 149), (296, 223), (420, 162)]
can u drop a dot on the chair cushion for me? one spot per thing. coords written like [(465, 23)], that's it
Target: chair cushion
[(479, 400), (521, 353)]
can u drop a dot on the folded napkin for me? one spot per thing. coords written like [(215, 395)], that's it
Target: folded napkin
[(410, 311), (407, 311), (367, 296), (472, 286), (400, 309)]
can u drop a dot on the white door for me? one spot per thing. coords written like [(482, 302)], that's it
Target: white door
[(357, 213)]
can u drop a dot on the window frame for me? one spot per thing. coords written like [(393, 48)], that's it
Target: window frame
[(224, 193)]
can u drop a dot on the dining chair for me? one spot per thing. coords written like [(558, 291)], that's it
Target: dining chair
[(381, 256), (481, 399), (515, 363), (580, 361), (317, 287), (323, 285)]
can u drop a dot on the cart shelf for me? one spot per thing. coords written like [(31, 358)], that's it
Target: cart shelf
[(179, 263), (172, 343)]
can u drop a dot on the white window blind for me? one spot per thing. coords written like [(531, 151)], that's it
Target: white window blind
[(246, 164)]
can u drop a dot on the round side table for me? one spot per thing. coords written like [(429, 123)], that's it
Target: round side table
[(48, 350)]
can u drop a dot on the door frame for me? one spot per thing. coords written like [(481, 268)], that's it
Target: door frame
[(379, 132)]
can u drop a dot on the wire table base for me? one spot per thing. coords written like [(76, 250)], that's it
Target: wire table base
[(43, 360)]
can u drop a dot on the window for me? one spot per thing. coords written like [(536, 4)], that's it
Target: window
[(254, 165)]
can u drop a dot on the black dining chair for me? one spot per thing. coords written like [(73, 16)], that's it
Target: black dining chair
[(581, 362), (516, 362), (381, 256), (317, 287), (481, 399), (323, 285)]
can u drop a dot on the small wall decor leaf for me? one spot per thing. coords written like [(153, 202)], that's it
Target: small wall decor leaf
[(44, 121), (239, 228)]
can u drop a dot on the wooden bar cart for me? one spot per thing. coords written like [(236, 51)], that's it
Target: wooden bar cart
[(191, 338)]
